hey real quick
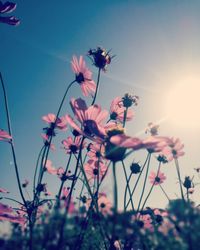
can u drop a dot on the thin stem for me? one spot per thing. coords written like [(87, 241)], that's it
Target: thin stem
[(115, 189), (64, 174), (164, 192), (144, 185), (151, 187), (12, 200), (12, 141), (97, 87), (179, 178), (127, 187), (36, 168), (125, 115), (147, 158)]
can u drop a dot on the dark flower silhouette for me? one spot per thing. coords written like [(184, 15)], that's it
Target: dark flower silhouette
[(5, 8)]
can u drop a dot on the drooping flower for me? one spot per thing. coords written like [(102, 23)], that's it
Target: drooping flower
[(173, 149), (83, 76), (117, 110), (100, 57), (4, 136), (113, 151), (157, 178), (5, 8), (72, 145), (188, 183), (91, 119)]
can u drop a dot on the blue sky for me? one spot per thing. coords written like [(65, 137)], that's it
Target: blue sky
[(155, 42)]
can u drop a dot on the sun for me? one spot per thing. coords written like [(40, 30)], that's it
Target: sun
[(183, 103)]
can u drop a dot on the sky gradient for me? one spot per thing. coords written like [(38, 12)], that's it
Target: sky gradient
[(156, 45)]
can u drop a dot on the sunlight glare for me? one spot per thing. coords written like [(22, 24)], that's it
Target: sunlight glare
[(183, 103)]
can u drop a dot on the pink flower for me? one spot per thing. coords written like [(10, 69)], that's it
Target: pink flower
[(3, 190), (5, 208), (156, 179), (65, 193), (95, 168), (5, 8), (96, 151), (152, 129), (117, 110), (104, 204), (4, 136), (64, 197), (153, 143), (25, 183), (46, 138), (72, 146), (91, 119), (144, 221), (124, 141), (83, 76), (50, 119), (173, 150), (49, 167)]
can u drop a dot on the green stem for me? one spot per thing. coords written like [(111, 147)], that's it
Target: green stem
[(36, 168), (151, 187), (147, 158), (164, 192), (179, 178), (127, 187), (144, 185), (115, 189), (12, 141), (63, 181), (97, 88), (125, 115)]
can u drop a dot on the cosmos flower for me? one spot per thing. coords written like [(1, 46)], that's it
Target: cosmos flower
[(4, 136), (50, 119), (49, 168), (5, 208), (153, 143), (91, 119), (95, 168), (72, 145), (83, 76), (96, 151), (25, 183), (143, 221), (157, 178), (173, 149), (100, 57), (104, 204), (5, 8), (117, 110), (3, 190), (152, 129)]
